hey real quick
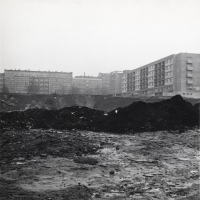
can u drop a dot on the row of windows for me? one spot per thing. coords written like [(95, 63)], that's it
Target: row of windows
[(169, 61), (9, 83), (21, 83), (170, 67), (151, 73), (169, 80), (151, 78), (187, 94), (150, 84), (169, 73), (151, 68)]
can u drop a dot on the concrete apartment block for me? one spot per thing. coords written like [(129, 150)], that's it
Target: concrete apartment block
[(116, 82), (46, 82), (88, 85), (174, 74)]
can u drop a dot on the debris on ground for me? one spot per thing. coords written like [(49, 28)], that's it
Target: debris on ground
[(149, 165), (71, 154), (171, 114)]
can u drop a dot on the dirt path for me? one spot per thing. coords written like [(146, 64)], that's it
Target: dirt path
[(157, 165)]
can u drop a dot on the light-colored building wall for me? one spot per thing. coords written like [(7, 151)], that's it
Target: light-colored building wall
[(18, 81), (116, 82), (124, 81), (88, 85), (187, 79), (174, 74), (1, 82), (105, 82)]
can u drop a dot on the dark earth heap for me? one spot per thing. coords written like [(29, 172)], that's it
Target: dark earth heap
[(170, 114)]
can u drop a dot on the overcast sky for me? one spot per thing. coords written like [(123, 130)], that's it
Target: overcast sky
[(94, 36)]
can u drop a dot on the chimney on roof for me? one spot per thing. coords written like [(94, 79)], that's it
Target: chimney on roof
[(84, 73)]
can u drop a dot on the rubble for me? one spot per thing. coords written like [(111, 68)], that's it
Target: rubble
[(171, 114)]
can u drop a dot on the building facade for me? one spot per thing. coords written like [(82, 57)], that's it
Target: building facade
[(124, 81), (1, 82), (116, 83), (174, 74), (41, 82), (87, 85), (105, 83)]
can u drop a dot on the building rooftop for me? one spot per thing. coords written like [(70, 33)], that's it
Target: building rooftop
[(18, 70), (90, 77)]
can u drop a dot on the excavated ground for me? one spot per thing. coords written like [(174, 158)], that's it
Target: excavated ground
[(50, 164)]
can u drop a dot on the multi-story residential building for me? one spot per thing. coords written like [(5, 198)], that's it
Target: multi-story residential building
[(116, 82), (174, 74), (124, 81), (105, 83), (41, 82), (88, 85), (1, 82)]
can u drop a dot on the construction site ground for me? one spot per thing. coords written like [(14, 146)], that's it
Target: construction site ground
[(52, 164)]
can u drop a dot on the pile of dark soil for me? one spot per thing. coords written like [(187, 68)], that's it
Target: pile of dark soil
[(170, 114), (197, 106), (69, 118), (26, 144)]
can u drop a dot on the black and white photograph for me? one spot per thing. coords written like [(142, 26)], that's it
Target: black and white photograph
[(99, 99)]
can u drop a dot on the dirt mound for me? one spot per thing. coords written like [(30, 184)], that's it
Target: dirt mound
[(197, 106), (171, 114), (69, 118), (174, 113)]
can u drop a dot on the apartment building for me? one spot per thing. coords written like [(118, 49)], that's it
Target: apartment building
[(88, 85), (41, 82), (1, 81), (174, 74), (116, 83), (124, 81), (105, 83)]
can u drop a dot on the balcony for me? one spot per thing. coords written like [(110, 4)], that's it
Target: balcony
[(189, 75), (189, 81), (189, 68)]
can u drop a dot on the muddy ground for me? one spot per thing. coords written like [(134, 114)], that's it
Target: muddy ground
[(50, 164)]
